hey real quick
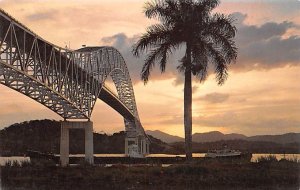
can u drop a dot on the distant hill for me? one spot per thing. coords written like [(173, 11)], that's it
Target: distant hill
[(214, 136), (44, 136), (282, 139), (197, 137), (244, 146), (165, 137)]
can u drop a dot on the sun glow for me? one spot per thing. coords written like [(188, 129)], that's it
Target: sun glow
[(195, 111)]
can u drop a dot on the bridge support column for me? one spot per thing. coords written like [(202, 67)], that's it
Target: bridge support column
[(89, 143), (148, 147), (141, 143), (144, 147), (128, 142), (126, 147), (64, 140), (64, 144)]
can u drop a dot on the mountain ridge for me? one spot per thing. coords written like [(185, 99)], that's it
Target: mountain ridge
[(167, 137), (213, 136), (44, 136)]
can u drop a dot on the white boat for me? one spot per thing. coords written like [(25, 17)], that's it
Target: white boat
[(229, 154), (222, 153)]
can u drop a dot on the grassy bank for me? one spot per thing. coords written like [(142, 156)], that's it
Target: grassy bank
[(267, 173)]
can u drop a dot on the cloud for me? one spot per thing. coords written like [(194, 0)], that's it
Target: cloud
[(214, 98), (47, 15), (124, 44), (178, 80), (260, 47), (119, 40), (195, 89), (264, 47), (248, 122), (271, 53)]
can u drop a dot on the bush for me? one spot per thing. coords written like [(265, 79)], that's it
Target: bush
[(8, 164), (187, 169), (25, 163), (42, 163), (84, 164)]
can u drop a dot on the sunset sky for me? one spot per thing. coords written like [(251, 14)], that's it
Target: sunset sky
[(261, 95)]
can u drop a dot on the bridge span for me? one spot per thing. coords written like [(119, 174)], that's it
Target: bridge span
[(69, 83)]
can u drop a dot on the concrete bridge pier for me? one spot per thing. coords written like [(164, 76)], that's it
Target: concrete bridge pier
[(144, 146), (64, 140), (129, 141), (136, 146)]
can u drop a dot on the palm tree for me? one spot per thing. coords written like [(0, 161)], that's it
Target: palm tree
[(208, 38)]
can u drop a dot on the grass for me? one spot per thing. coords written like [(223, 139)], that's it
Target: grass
[(266, 173)]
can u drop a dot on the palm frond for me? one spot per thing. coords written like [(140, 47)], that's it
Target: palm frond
[(199, 62), (221, 71), (209, 4), (203, 6), (226, 46), (211, 37), (180, 68), (222, 24), (147, 67), (219, 62), (220, 31), (156, 34), (154, 8), (160, 53), (163, 10)]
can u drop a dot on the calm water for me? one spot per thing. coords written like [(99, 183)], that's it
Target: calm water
[(3, 160)]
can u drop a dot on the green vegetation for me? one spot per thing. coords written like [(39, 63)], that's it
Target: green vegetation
[(207, 37), (207, 174)]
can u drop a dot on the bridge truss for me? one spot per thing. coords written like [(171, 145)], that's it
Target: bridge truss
[(65, 81)]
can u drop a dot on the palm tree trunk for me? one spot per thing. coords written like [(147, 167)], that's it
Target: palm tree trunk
[(188, 105)]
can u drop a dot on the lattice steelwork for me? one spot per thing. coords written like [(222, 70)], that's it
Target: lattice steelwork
[(67, 82)]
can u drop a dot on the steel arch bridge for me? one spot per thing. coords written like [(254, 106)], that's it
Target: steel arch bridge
[(65, 81)]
